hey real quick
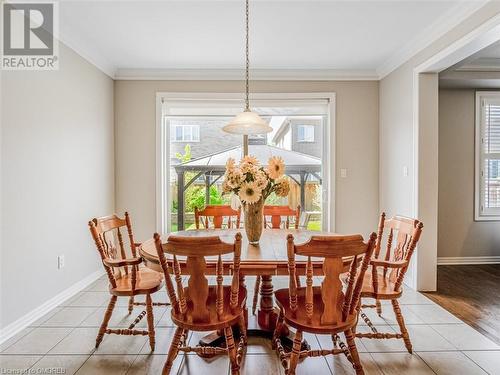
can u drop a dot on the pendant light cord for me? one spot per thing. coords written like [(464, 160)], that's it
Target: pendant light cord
[(247, 53)]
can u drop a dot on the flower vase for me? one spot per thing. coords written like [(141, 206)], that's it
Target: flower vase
[(253, 216)]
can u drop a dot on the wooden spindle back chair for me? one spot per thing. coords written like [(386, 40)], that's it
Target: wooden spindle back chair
[(213, 216), (388, 267), (324, 309), (125, 277), (277, 212), (200, 306)]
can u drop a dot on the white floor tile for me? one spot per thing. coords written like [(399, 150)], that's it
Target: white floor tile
[(434, 314), (69, 317), (38, 341), (67, 364), (107, 364), (488, 360), (79, 341), (401, 363), (16, 364), (451, 363), (424, 338), (464, 337), (15, 338), (340, 365)]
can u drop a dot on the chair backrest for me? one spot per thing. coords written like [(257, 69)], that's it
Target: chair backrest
[(402, 235), (337, 304), (195, 250), (276, 212), (110, 242), (217, 215)]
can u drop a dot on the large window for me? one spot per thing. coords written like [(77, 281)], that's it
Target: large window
[(487, 173), (195, 168)]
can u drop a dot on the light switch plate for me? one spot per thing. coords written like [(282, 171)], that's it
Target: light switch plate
[(405, 171), (343, 172)]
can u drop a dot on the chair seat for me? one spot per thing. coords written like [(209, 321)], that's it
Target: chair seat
[(301, 321), (211, 322), (148, 281), (385, 288)]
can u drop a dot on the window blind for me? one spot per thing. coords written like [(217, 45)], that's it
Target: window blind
[(490, 156)]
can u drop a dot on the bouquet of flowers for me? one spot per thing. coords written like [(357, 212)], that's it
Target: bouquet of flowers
[(252, 182)]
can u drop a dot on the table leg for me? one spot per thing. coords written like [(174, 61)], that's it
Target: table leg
[(266, 315)]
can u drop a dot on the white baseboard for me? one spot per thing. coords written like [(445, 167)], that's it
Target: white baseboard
[(24, 321), (494, 259)]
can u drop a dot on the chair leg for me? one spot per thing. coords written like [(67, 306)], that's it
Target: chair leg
[(105, 321), (150, 319), (294, 357), (231, 351), (256, 294), (379, 307), (172, 352), (353, 351), (277, 330), (402, 326), (130, 304), (243, 338)]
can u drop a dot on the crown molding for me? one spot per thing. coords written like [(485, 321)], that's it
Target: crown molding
[(436, 30), (238, 74), (89, 54)]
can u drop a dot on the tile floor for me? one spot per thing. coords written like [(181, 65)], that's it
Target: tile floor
[(64, 340)]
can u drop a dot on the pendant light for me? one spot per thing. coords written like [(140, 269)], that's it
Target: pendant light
[(247, 122)]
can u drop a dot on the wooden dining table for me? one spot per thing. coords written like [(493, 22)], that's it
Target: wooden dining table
[(266, 259)]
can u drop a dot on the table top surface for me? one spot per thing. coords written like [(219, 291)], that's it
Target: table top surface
[(272, 247)]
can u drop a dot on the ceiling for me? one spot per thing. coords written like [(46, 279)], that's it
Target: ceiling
[(322, 39), (480, 70)]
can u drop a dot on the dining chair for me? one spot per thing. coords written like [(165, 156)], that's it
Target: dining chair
[(126, 278), (200, 306), (385, 279), (276, 213), (324, 309), (213, 216)]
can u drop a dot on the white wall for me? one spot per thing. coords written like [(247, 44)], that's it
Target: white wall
[(357, 146), (458, 234), (397, 140), (57, 173)]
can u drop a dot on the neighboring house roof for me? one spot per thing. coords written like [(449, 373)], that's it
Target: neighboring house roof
[(294, 161)]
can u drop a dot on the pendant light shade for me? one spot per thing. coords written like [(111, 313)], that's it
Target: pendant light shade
[(247, 123)]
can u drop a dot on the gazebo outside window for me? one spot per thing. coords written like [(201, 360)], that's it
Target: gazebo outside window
[(300, 168)]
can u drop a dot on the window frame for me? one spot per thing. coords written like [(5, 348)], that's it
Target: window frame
[(184, 126), (481, 214), (163, 145), (306, 126)]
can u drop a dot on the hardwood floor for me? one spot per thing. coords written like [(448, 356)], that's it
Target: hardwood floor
[(472, 293)]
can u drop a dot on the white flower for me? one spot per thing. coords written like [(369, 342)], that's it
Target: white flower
[(249, 168), (230, 164), (261, 179), (250, 160), (276, 167), (249, 192), (282, 187), (225, 187), (234, 178)]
